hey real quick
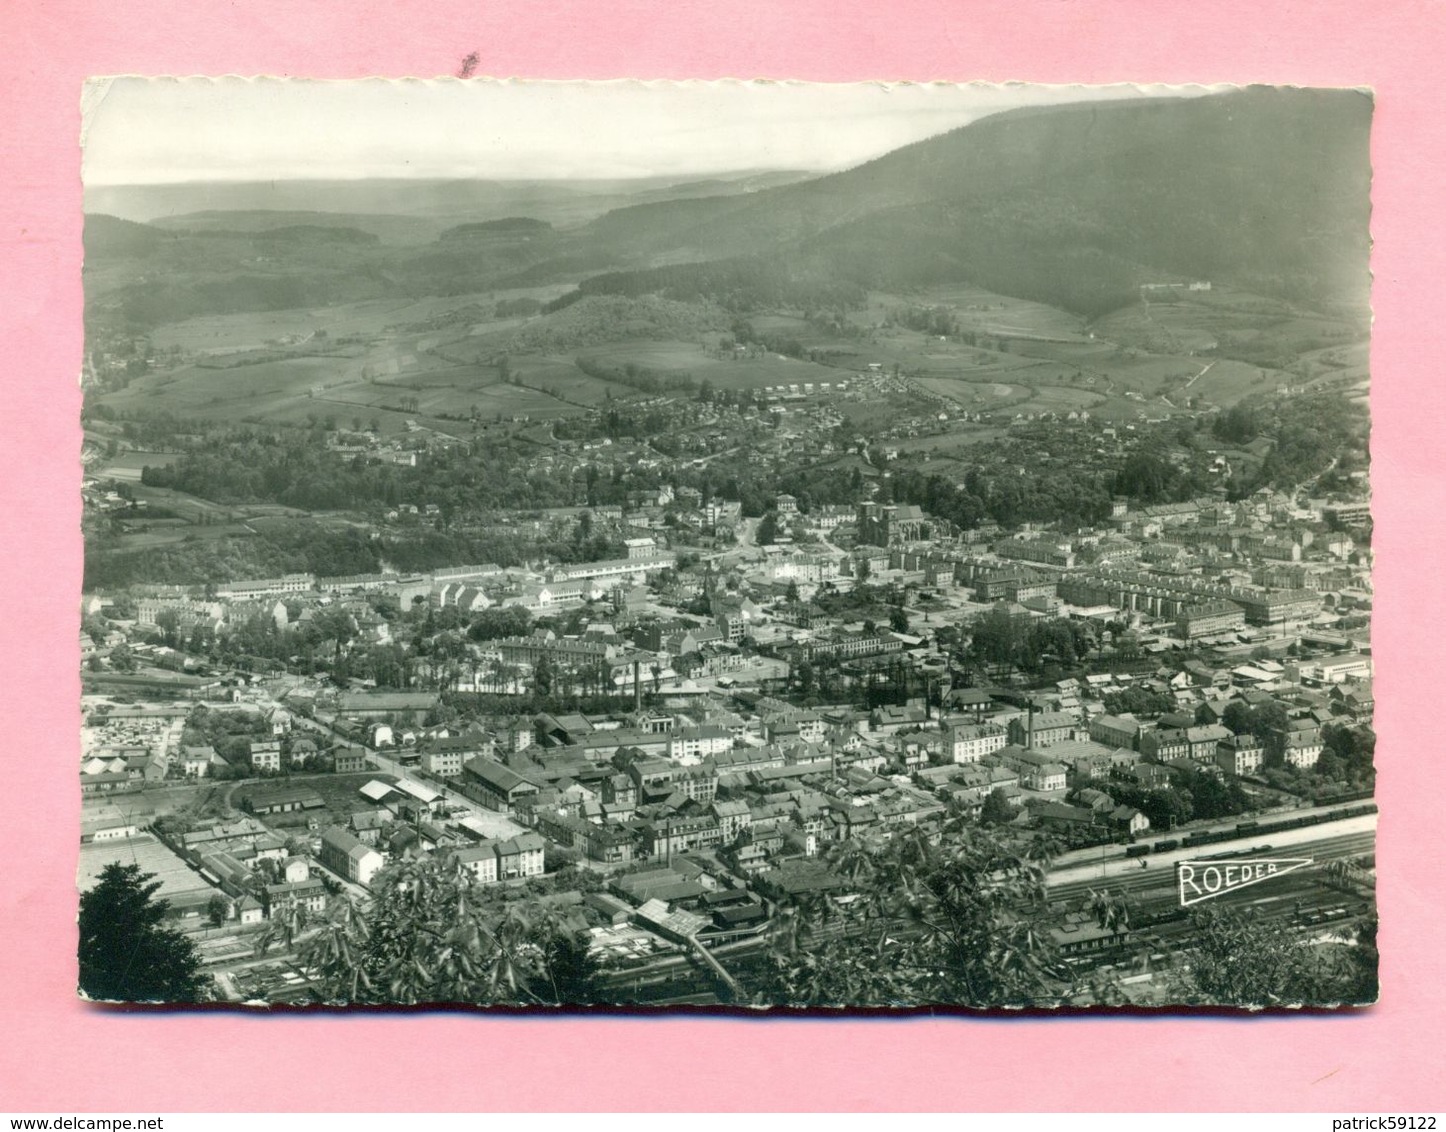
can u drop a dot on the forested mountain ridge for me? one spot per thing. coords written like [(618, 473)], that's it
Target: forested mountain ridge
[(1261, 187)]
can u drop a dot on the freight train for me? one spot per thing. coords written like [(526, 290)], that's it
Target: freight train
[(1249, 829)]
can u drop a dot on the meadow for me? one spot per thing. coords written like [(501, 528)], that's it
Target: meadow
[(439, 362), (986, 312), (128, 466), (722, 373)]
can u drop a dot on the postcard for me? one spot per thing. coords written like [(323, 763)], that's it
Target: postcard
[(749, 545)]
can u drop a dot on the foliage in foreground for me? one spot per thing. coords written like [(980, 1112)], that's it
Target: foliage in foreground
[(127, 953), (956, 923), (431, 934), (1240, 960)]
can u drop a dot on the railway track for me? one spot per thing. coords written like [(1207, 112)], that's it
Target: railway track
[(1161, 875)]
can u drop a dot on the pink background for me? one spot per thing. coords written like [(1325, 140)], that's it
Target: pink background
[(57, 1054)]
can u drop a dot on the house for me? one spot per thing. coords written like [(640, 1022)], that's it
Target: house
[(733, 818), (1205, 739), (367, 825), (520, 856), (1036, 770), (784, 725), (351, 760), (248, 909), (1302, 749), (692, 744), (1239, 754), (147, 767), (1163, 744), (302, 748), (1127, 819), (197, 761), (266, 755), (480, 860), (445, 757), (309, 893), (344, 854), (610, 844)]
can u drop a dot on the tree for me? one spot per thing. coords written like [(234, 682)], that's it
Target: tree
[(957, 923), (431, 933), (218, 909), (1166, 807), (1111, 910), (572, 969), (997, 809), (168, 621), (898, 619), (127, 954), (1236, 717), (544, 674), (1244, 960)]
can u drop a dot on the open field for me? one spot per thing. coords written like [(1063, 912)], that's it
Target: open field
[(219, 334), (146, 682), (299, 390), (230, 394), (435, 362), (460, 392), (1231, 324), (188, 507), (947, 448), (127, 466), (1062, 399), (249, 330), (974, 396), (174, 531), (340, 792), (990, 313), (691, 359)]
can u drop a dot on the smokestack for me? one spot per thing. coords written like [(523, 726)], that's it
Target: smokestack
[(1029, 741), (637, 685)]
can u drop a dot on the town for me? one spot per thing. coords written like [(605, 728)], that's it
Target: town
[(671, 744), (873, 585)]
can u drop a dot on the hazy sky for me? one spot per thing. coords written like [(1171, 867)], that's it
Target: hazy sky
[(144, 131)]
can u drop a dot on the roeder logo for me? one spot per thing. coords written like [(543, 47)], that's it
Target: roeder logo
[(1202, 880)]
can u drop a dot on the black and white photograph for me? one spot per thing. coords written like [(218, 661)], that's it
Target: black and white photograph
[(726, 545)]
